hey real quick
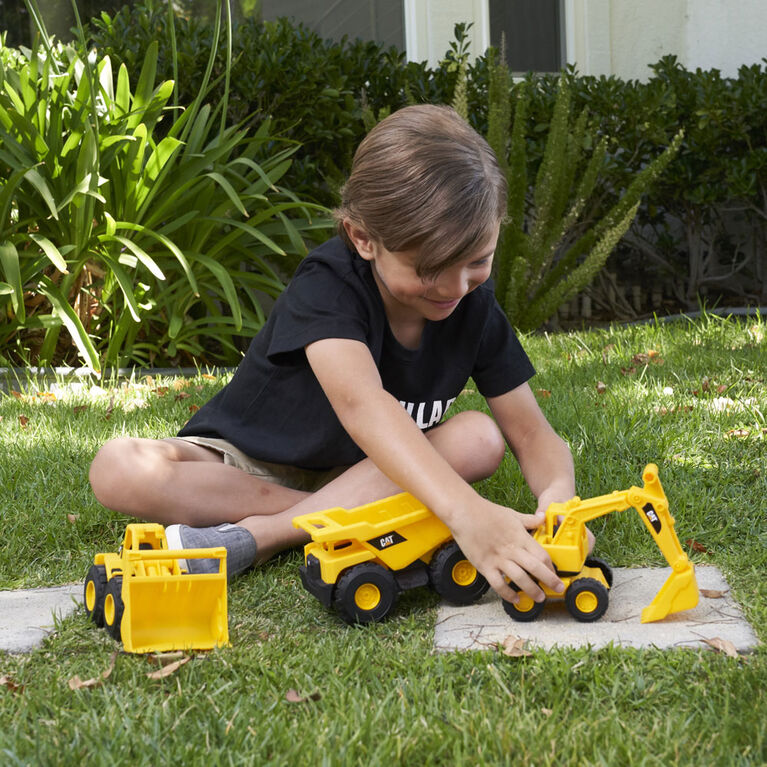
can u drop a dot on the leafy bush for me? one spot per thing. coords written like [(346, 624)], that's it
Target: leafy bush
[(313, 90), (546, 253), (147, 234)]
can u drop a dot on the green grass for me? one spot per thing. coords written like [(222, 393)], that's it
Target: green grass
[(383, 695)]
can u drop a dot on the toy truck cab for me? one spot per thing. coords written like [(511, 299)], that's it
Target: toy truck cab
[(144, 598), (360, 559)]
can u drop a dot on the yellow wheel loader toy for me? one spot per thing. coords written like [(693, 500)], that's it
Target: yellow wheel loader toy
[(588, 579), (143, 597), (360, 559)]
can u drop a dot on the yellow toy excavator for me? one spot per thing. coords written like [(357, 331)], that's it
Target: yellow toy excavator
[(588, 579)]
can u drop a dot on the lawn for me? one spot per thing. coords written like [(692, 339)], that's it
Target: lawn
[(298, 687)]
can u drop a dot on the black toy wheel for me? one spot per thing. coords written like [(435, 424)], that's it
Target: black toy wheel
[(365, 593), (586, 599), (454, 578), (526, 610), (114, 607), (94, 591), (607, 571)]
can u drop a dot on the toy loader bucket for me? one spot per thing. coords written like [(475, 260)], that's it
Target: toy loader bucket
[(170, 611), (679, 592)]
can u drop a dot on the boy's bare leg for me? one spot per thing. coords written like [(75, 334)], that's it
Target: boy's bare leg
[(172, 481), (470, 442)]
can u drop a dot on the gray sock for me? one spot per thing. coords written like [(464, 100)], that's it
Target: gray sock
[(239, 544)]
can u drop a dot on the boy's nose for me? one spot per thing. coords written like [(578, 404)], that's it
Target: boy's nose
[(453, 284)]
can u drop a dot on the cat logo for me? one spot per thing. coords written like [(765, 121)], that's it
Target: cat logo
[(382, 542), (652, 516)]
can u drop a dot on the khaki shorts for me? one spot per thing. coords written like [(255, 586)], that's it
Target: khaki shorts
[(308, 480)]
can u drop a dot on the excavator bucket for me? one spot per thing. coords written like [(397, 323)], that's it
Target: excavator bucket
[(679, 592)]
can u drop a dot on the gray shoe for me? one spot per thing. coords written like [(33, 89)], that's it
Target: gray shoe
[(239, 544)]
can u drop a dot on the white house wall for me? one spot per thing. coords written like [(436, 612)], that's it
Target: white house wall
[(429, 27), (613, 37)]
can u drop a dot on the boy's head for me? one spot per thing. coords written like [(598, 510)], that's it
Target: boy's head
[(424, 179)]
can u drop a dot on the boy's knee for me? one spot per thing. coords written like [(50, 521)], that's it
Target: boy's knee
[(482, 444), (109, 469)]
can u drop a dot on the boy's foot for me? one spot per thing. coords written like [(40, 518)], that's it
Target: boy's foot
[(239, 544)]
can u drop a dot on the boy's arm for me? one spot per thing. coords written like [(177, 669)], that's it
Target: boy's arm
[(543, 456), (493, 537)]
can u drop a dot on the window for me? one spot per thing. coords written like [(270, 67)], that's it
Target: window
[(534, 31), (379, 20)]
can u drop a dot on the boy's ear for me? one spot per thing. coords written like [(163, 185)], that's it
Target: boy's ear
[(361, 240)]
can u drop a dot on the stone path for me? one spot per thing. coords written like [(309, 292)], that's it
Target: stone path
[(485, 624), (27, 617)]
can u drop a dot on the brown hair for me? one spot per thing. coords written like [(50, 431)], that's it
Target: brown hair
[(423, 178)]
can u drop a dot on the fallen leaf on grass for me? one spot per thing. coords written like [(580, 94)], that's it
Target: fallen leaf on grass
[(110, 407), (543, 393), (547, 711), (739, 433), (161, 391), (17, 394), (724, 646), (171, 668), (75, 683), (514, 647), (208, 377), (79, 409), (72, 518), (23, 421), (194, 408), (601, 387), (10, 685), (48, 396), (712, 593), (293, 696), (695, 546), (182, 395)]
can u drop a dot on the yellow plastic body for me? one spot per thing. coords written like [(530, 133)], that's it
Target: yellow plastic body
[(342, 538), (165, 607), (563, 536)]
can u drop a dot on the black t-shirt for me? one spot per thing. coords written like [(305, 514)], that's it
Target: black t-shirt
[(274, 409)]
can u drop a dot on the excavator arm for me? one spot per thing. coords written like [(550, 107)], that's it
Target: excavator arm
[(564, 535)]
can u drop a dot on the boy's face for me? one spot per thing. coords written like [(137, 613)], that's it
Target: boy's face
[(410, 298)]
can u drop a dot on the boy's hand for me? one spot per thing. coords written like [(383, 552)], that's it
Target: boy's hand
[(495, 539)]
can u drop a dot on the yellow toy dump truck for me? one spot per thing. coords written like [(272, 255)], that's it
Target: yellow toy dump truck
[(360, 559), (143, 597), (588, 580)]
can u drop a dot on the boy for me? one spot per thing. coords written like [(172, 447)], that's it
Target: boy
[(339, 398)]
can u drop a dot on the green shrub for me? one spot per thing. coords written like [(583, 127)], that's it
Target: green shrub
[(146, 233), (546, 254)]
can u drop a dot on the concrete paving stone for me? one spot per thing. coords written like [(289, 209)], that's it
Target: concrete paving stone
[(27, 615), (484, 625)]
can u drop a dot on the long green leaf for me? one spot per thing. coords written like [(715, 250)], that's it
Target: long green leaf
[(225, 280), (9, 260), (137, 251), (51, 251), (71, 321)]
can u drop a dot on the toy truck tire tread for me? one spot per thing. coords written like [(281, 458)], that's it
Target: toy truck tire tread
[(465, 589), (114, 607), (365, 593), (586, 599), (94, 591), (518, 611)]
